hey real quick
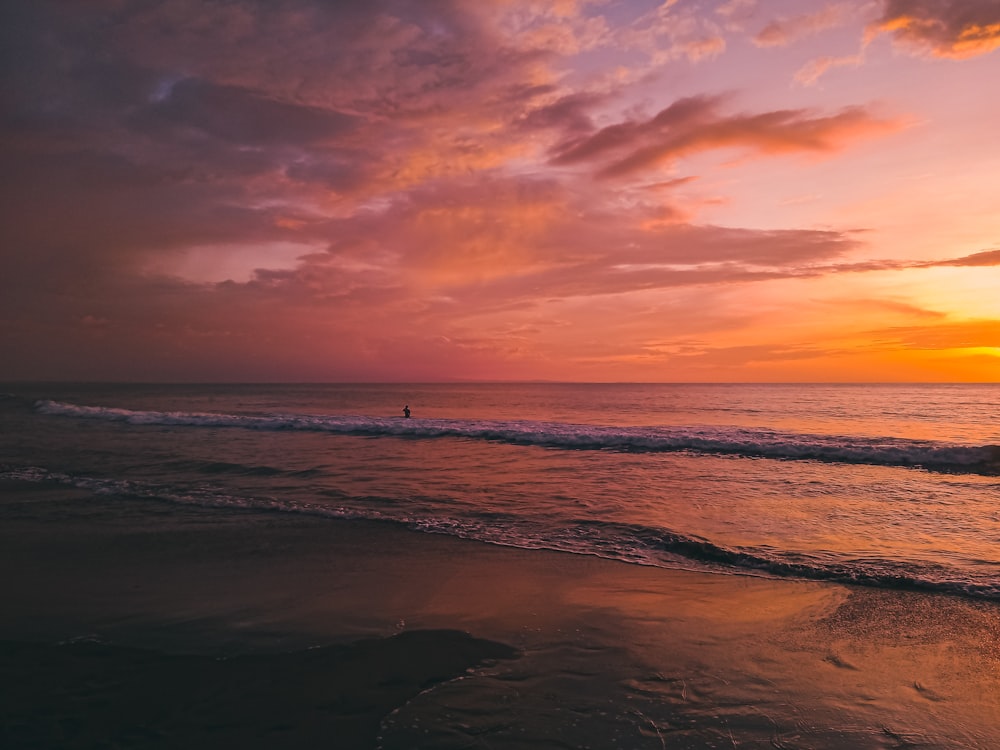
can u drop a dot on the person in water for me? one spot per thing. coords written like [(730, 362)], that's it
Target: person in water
[(406, 411)]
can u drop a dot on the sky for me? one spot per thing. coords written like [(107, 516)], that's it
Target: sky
[(571, 190)]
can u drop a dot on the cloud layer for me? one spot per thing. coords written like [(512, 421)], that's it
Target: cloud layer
[(297, 189), (956, 29)]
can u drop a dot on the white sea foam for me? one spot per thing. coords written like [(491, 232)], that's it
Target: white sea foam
[(740, 441), (629, 543)]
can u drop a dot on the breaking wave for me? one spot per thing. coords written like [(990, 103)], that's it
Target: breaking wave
[(737, 441), (629, 543)]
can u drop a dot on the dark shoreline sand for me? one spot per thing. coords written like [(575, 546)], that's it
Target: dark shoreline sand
[(196, 627), (85, 694)]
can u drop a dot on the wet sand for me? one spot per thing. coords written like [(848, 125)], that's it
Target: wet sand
[(86, 694), (133, 624)]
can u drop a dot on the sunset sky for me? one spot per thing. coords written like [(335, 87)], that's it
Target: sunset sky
[(582, 190)]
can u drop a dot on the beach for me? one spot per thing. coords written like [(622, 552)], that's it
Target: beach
[(518, 375), (131, 624)]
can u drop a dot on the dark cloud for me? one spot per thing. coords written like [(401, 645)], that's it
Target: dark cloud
[(134, 129), (237, 115), (569, 114), (954, 29), (388, 58), (684, 115), (341, 172), (103, 206)]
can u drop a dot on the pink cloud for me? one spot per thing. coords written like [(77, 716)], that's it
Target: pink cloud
[(891, 306), (812, 71), (981, 259), (783, 31), (670, 32), (425, 157), (695, 125)]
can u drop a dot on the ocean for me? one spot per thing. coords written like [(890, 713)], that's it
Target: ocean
[(652, 500), (879, 485)]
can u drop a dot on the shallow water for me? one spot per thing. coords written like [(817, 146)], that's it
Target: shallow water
[(882, 485), (225, 540)]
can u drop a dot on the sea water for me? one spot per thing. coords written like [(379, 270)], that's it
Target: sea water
[(893, 486)]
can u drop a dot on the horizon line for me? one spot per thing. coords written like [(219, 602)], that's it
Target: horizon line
[(471, 381)]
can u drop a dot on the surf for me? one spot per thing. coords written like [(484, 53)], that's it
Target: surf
[(735, 441), (629, 543)]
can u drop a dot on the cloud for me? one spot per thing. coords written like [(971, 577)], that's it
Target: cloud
[(568, 114), (738, 356), (968, 334), (784, 31), (240, 116), (564, 27), (382, 58), (695, 124), (868, 306), (813, 70), (736, 12), (954, 29), (149, 125), (986, 258), (980, 259), (490, 244), (668, 33), (311, 189)]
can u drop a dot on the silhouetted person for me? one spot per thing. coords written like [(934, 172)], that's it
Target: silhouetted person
[(406, 411)]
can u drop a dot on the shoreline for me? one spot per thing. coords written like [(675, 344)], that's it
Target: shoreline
[(84, 694), (594, 651)]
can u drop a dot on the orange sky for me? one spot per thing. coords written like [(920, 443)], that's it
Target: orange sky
[(594, 190)]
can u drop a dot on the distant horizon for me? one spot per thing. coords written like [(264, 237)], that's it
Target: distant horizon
[(635, 191), (496, 382)]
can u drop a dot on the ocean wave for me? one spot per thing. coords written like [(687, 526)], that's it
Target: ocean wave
[(627, 543), (737, 441)]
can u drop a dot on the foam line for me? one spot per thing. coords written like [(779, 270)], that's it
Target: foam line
[(736, 441)]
